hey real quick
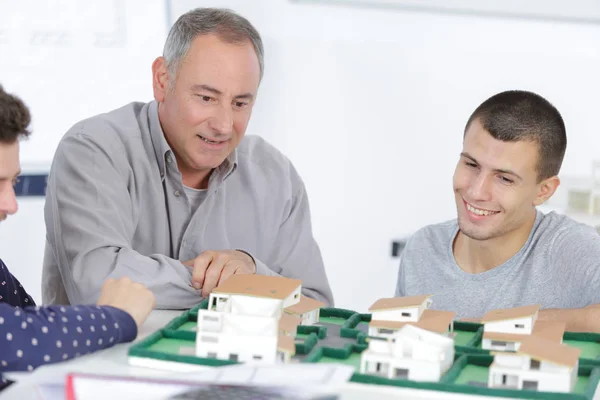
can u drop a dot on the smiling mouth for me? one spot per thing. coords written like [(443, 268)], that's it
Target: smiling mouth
[(480, 211), (208, 140)]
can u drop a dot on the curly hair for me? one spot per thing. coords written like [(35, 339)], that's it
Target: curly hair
[(14, 118)]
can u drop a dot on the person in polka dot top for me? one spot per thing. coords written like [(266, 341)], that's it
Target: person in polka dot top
[(31, 336)]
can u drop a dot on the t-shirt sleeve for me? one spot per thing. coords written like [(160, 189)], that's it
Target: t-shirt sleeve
[(576, 253)]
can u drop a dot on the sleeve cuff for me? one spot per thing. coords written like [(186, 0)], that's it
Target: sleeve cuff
[(262, 269), (126, 322)]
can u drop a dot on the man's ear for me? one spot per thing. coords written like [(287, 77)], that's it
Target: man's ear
[(546, 189), (160, 79)]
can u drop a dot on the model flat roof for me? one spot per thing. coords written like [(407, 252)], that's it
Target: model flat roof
[(431, 320), (510, 313), (393, 303), (275, 287), (547, 330)]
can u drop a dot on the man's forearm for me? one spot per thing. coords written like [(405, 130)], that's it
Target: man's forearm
[(577, 319)]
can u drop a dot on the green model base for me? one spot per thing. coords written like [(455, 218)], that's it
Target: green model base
[(469, 373)]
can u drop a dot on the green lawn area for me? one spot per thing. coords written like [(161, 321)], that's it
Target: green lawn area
[(588, 349), (472, 373), (332, 320), (171, 346), (463, 337), (353, 360), (188, 326), (581, 384)]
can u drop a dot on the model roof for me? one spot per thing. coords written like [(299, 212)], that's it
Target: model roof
[(431, 320), (275, 287), (546, 350), (286, 344), (398, 302), (305, 304), (510, 313), (548, 330), (289, 323)]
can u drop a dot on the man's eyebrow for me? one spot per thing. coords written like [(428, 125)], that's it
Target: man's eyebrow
[(248, 96), (500, 170)]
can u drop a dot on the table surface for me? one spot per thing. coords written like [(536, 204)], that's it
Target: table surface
[(113, 361)]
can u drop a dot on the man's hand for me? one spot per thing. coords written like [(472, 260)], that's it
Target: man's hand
[(133, 298), (211, 268)]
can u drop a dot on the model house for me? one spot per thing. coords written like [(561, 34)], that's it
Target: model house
[(440, 322), (250, 291), (539, 364), (411, 353), (307, 309), (505, 329), (400, 309), (243, 322)]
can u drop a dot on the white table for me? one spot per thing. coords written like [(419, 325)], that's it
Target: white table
[(113, 361)]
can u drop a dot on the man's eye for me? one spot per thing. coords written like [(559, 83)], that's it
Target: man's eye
[(506, 180)]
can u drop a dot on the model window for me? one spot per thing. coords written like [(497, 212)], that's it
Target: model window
[(520, 326), (209, 339), (406, 314), (210, 318), (386, 331), (211, 355), (498, 343), (233, 357)]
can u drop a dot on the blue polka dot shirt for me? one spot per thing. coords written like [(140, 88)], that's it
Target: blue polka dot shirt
[(32, 336)]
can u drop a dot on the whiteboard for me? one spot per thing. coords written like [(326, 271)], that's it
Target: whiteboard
[(71, 59)]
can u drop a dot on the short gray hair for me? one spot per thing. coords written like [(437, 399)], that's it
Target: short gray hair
[(225, 24)]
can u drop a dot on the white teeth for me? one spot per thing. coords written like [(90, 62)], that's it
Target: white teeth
[(208, 141), (478, 211)]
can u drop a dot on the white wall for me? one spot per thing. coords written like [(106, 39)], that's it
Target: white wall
[(370, 106)]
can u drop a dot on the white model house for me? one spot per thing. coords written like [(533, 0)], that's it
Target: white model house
[(441, 322), (412, 353), (539, 364), (307, 309), (505, 329), (243, 320), (400, 309)]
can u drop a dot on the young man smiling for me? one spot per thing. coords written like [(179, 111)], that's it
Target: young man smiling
[(501, 251)]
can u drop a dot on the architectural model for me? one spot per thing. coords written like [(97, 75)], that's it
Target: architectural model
[(306, 309), (243, 320), (410, 353), (505, 329), (391, 314), (539, 364)]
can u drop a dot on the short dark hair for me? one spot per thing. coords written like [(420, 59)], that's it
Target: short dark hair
[(518, 115), (14, 118)]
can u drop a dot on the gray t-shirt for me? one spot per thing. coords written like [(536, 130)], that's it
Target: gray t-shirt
[(195, 197), (558, 267)]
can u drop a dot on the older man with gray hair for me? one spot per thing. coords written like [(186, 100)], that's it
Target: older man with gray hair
[(171, 193)]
